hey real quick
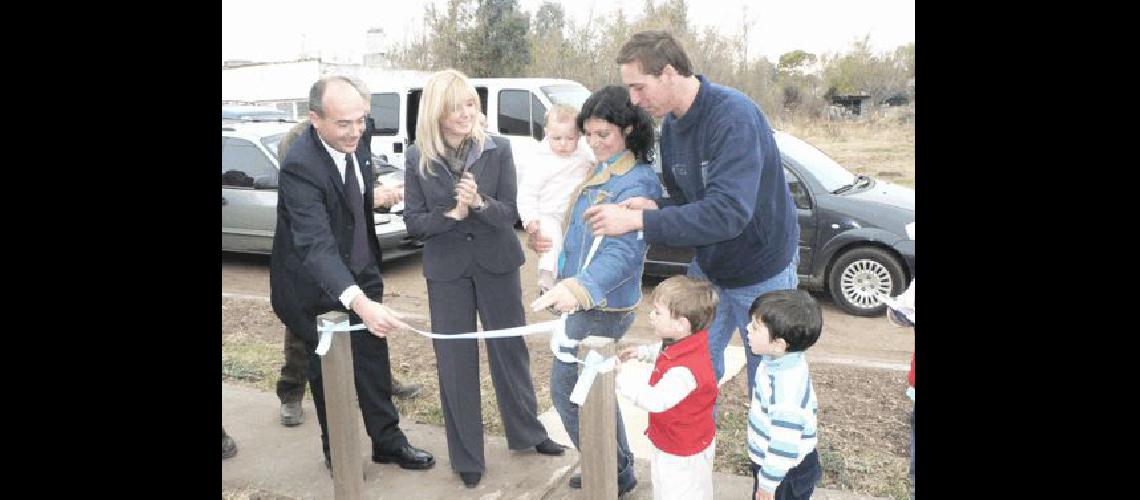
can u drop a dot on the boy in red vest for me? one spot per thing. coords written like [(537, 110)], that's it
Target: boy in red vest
[(681, 390)]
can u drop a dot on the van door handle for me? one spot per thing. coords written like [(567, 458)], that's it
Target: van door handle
[(224, 200)]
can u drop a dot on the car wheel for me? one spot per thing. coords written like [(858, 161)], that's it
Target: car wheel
[(859, 275)]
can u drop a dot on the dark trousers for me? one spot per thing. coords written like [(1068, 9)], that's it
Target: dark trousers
[(373, 377), (295, 371), (498, 300), (798, 482)]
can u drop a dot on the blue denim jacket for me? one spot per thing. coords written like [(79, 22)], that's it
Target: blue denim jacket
[(612, 281)]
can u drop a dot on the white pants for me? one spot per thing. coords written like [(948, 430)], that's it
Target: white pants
[(550, 227), (683, 478)]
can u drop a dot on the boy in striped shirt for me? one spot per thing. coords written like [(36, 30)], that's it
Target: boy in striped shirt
[(782, 416)]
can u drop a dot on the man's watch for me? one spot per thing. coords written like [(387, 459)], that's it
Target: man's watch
[(482, 204)]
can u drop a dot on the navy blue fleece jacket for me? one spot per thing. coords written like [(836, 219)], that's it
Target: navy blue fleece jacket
[(727, 193)]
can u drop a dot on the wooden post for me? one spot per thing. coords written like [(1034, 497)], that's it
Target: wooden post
[(342, 412), (597, 430)]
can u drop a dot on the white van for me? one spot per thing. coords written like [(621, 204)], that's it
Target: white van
[(515, 109)]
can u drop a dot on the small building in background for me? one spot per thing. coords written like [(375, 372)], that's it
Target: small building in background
[(856, 104)]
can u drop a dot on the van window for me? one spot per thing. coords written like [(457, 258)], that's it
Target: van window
[(520, 113), (571, 95), (413, 113), (482, 91), (386, 113), (538, 118), (514, 112)]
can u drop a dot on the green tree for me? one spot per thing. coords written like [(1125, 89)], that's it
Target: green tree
[(796, 62), (442, 44), (497, 42), (862, 71), (549, 46)]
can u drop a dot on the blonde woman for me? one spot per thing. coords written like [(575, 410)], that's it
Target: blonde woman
[(459, 199)]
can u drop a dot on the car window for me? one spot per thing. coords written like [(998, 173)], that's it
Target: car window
[(825, 170), (271, 142), (514, 112), (242, 161), (798, 190), (386, 113)]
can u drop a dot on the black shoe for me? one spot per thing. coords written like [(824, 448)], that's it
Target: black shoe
[(548, 447), (403, 391), (291, 414), (471, 479), (408, 456), (229, 447), (576, 480)]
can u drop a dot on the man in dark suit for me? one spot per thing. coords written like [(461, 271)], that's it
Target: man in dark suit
[(326, 257), (295, 370)]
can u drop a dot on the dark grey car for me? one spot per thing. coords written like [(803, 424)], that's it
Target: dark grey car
[(853, 241)]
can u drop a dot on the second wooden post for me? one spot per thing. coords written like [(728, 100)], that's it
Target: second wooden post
[(597, 429)]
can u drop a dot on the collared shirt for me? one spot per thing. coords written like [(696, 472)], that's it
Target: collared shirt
[(341, 164), (338, 159)]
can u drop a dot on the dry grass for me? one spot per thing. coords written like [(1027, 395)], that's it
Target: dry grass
[(881, 146), (863, 429)]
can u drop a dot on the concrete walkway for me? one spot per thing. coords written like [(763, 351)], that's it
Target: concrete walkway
[(287, 462)]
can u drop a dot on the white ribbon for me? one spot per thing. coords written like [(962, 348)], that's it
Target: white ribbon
[(327, 331), (593, 365), (518, 331)]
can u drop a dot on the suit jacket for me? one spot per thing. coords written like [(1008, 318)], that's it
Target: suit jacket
[(486, 238), (309, 266)]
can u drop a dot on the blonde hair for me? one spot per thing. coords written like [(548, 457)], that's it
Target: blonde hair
[(690, 298), (561, 113), (444, 92)]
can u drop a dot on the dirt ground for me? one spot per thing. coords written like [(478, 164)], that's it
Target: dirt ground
[(864, 430), (845, 337)]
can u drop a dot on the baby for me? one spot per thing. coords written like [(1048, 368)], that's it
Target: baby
[(547, 183)]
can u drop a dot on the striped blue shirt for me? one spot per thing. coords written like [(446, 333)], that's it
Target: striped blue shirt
[(781, 418)]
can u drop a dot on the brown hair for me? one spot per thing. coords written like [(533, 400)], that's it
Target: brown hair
[(653, 50), (287, 141), (690, 298)]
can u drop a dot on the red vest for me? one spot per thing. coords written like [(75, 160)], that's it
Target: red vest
[(910, 376), (688, 427)]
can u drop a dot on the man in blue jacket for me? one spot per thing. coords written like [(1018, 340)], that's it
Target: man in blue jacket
[(727, 193)]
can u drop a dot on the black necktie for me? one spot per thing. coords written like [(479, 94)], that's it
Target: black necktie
[(360, 256)]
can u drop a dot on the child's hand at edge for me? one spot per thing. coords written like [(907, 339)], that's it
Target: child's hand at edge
[(764, 495)]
